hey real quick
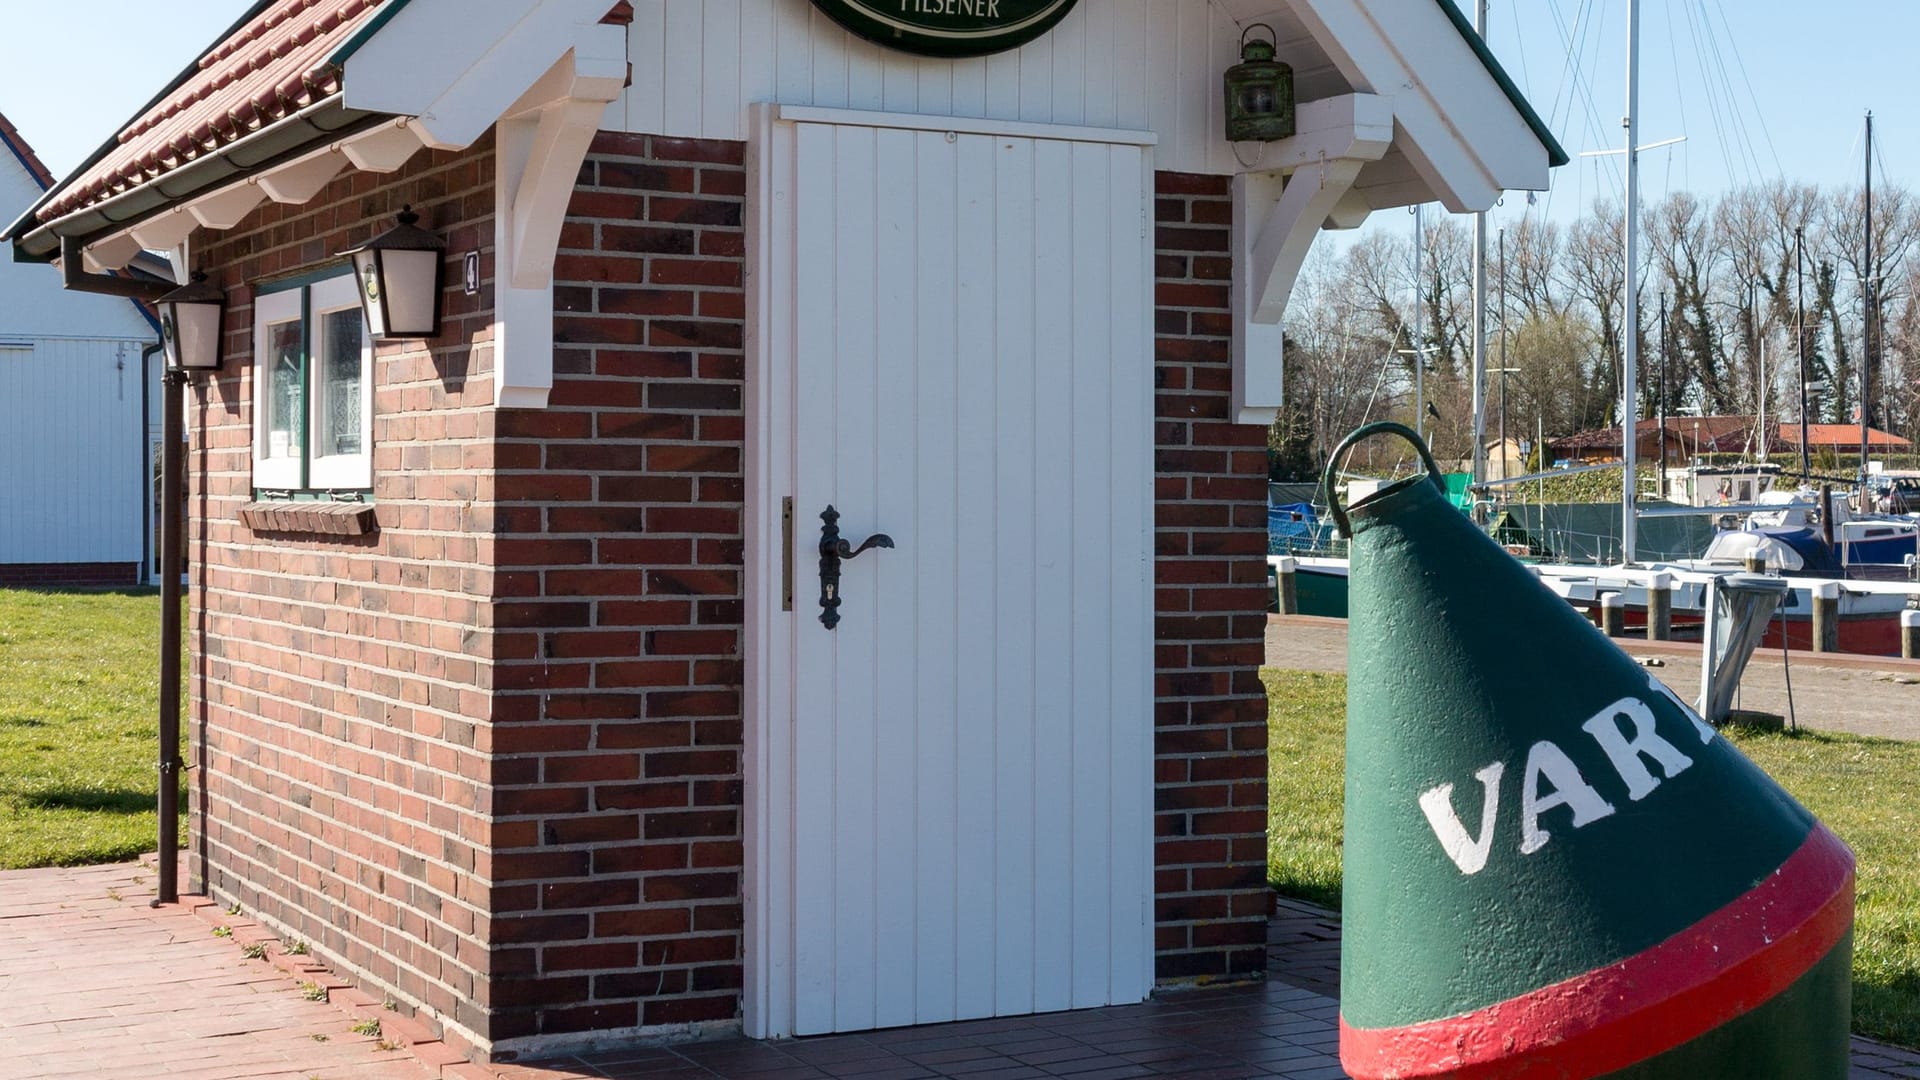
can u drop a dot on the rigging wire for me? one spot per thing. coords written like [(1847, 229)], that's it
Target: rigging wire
[(1680, 96), (1713, 104), (1754, 99), (1526, 76), (1742, 133), (1582, 89)]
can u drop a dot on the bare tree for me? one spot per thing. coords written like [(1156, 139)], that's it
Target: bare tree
[(1596, 269), (1724, 267), (1678, 232), (1896, 232), (1535, 274)]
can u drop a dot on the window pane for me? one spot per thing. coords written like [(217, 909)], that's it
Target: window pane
[(343, 428), (283, 390)]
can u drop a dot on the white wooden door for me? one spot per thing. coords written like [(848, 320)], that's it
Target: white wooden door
[(953, 817)]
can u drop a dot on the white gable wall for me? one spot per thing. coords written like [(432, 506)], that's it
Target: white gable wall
[(72, 449), (1147, 65), (1150, 65)]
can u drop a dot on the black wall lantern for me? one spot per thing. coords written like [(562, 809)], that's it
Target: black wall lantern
[(398, 274), (190, 318), (1259, 91)]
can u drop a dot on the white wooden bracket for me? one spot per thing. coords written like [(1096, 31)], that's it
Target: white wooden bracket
[(112, 253), (383, 150), (1305, 184), (541, 141), (299, 182)]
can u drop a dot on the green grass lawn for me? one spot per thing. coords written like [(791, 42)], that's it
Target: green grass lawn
[(1864, 789), (78, 728)]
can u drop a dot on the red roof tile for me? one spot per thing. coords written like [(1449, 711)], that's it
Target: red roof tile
[(11, 137), (273, 66), (1839, 435)]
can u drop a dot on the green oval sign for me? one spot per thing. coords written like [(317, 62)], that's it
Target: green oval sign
[(948, 27)]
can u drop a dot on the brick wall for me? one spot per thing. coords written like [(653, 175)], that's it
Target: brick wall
[(618, 723), (68, 575), (340, 684), (1210, 765), (488, 757)]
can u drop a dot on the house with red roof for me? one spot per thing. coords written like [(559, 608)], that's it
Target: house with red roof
[(804, 572), (1687, 437), (79, 415)]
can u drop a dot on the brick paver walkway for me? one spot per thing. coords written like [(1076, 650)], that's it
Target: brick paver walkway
[(95, 985)]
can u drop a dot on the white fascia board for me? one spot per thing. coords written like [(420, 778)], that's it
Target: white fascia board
[(481, 59), (1456, 125)]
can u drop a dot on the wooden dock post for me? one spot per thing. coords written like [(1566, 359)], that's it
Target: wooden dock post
[(1285, 586), (1660, 607), (1826, 616), (1613, 613)]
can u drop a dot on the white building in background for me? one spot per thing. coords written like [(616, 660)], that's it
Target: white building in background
[(79, 416)]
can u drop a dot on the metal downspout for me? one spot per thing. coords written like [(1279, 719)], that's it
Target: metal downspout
[(172, 549)]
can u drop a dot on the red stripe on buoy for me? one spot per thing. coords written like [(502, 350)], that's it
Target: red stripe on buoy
[(1724, 966)]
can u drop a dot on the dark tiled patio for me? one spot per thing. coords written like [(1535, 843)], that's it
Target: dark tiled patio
[(1284, 1028), (1275, 1030)]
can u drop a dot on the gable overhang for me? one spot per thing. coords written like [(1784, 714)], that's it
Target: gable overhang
[(416, 74), (1404, 105)]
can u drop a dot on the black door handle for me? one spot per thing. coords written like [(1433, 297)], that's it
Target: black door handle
[(834, 551)]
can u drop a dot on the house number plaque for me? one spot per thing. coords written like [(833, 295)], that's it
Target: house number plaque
[(950, 28)]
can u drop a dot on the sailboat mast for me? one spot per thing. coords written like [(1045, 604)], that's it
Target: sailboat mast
[(1800, 337), (1479, 455), (1630, 325), (1866, 335), (1505, 462), (1419, 333), (1661, 404)]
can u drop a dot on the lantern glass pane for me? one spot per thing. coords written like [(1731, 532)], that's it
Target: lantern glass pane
[(197, 333), (413, 279), (338, 383), (170, 333), (1256, 99), (366, 277), (283, 390)]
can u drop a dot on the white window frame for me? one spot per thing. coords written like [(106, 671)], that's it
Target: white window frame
[(304, 471), (271, 310), (337, 471)]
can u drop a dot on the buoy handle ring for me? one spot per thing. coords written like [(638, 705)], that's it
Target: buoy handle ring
[(1366, 431)]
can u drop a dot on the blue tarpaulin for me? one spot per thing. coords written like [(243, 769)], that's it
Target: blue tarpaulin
[(1292, 527)]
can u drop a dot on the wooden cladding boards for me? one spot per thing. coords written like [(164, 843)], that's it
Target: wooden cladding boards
[(1210, 789), (1149, 65), (339, 683), (617, 718)]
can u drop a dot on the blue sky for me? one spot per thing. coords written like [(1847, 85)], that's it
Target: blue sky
[(1758, 87), (1797, 75)]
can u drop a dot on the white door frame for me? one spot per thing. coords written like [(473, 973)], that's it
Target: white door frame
[(771, 567)]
